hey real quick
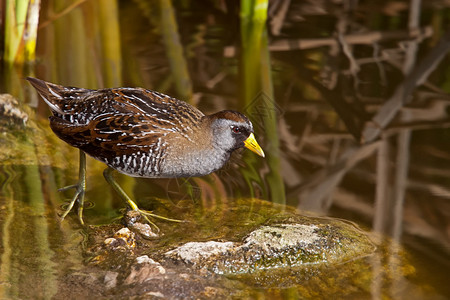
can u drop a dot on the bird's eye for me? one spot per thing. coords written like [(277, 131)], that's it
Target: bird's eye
[(235, 129)]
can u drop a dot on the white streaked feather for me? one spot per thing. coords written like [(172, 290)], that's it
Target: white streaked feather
[(52, 106), (54, 93)]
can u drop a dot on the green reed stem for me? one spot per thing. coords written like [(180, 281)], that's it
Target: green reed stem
[(110, 35), (175, 53), (21, 22), (258, 88)]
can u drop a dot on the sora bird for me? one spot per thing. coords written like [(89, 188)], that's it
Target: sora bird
[(142, 133)]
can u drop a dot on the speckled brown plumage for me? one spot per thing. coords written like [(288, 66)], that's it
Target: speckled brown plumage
[(144, 133)]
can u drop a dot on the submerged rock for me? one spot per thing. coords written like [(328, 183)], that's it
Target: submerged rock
[(245, 250), (144, 270), (14, 130), (277, 246), (10, 111), (124, 239), (196, 253), (133, 220), (285, 251)]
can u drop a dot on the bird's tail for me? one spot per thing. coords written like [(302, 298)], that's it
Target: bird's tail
[(52, 94)]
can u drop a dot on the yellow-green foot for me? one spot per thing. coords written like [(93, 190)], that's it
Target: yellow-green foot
[(148, 214), (139, 223), (144, 213), (80, 190)]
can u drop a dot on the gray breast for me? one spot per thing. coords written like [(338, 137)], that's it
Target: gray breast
[(194, 163), (160, 162)]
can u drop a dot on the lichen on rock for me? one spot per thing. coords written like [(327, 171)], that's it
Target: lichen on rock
[(276, 246)]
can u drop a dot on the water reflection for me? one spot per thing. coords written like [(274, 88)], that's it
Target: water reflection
[(350, 98)]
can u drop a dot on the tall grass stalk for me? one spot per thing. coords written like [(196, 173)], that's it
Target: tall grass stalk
[(175, 55), (110, 35), (257, 84), (21, 23)]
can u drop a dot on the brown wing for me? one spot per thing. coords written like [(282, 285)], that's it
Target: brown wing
[(112, 122), (157, 108), (109, 136)]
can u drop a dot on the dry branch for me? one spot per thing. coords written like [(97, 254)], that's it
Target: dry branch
[(367, 38), (403, 93)]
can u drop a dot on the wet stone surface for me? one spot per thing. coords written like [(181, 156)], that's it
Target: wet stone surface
[(13, 129), (275, 246), (10, 111), (285, 250)]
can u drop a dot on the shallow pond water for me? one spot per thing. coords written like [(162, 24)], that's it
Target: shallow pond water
[(349, 102)]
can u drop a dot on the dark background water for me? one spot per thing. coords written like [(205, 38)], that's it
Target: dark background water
[(319, 83)]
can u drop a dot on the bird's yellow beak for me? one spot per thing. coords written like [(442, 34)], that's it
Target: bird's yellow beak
[(252, 144)]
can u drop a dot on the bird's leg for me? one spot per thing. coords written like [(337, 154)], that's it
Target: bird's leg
[(107, 173), (80, 190)]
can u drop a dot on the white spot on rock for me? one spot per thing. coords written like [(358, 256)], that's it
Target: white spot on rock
[(192, 252)]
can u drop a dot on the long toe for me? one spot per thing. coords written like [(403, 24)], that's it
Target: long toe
[(80, 191)]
